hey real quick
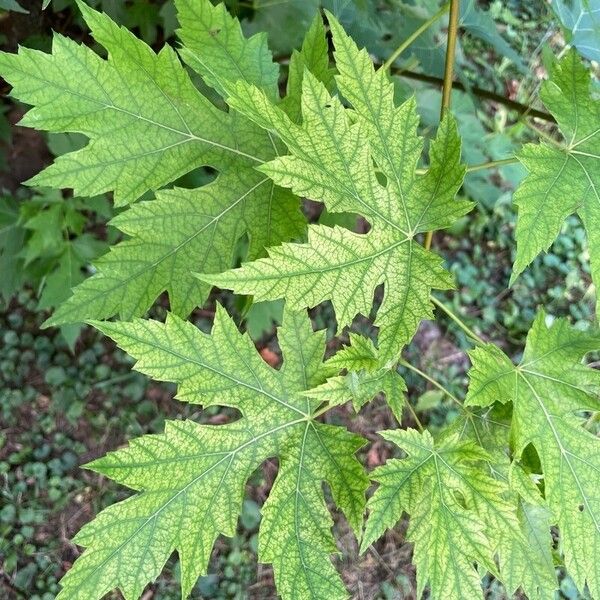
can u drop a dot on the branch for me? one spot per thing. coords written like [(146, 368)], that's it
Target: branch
[(448, 76), (485, 94), (450, 54)]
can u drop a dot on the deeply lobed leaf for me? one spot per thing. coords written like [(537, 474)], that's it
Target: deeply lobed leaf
[(451, 502), (565, 180), (330, 159), (549, 389), (190, 480), (148, 125)]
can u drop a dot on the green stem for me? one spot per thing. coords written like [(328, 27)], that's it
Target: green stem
[(448, 76), (321, 411), (450, 53), (413, 414), (492, 164), (414, 35), (458, 321), (431, 380)]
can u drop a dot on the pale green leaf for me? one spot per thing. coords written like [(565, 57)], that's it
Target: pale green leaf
[(359, 355), (366, 378), (452, 505), (215, 47), (137, 98), (566, 180), (179, 231), (361, 387), (331, 160), (190, 480), (525, 560), (313, 57), (146, 121), (549, 389)]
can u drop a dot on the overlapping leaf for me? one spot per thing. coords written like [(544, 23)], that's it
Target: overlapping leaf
[(366, 377), (525, 560), (549, 390), (146, 121), (458, 515), (190, 480), (147, 125), (566, 180), (331, 160), (182, 230), (215, 47)]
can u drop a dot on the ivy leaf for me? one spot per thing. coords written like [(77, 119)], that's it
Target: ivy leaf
[(331, 160), (450, 500), (562, 181), (549, 389), (190, 480), (146, 121)]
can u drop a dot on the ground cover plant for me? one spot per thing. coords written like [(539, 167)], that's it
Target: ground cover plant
[(314, 204)]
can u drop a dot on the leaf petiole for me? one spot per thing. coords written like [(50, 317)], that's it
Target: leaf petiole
[(414, 35), (458, 321), (431, 380)]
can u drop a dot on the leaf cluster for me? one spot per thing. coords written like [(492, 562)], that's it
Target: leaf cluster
[(482, 495)]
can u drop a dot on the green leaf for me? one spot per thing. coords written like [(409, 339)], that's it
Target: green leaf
[(313, 57), (562, 181), (146, 121), (46, 239), (582, 20), (331, 160), (190, 480), (12, 5), (261, 317), (361, 387), (360, 355), (549, 389), (366, 378), (215, 47), (12, 239), (453, 507), (179, 231), (525, 560), (481, 24), (137, 98), (286, 21)]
